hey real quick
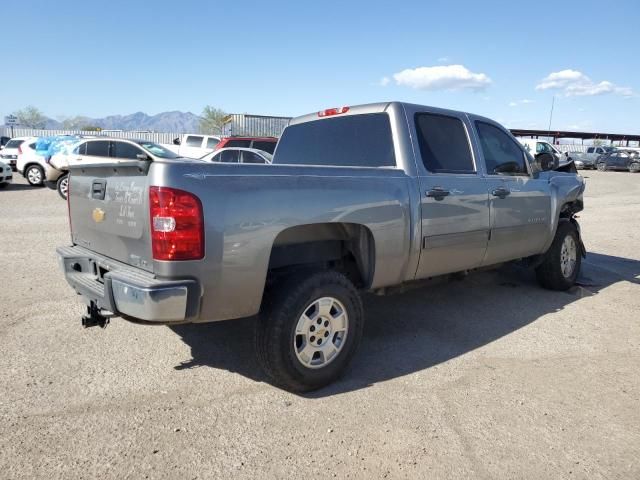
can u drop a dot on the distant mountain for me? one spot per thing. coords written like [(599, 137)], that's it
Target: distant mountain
[(179, 122)]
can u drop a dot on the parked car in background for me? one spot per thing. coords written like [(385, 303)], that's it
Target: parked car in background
[(91, 151), (430, 192), (541, 149), (6, 175), (3, 141), (194, 145), (9, 154), (619, 160), (30, 164), (239, 155), (266, 144), (588, 159)]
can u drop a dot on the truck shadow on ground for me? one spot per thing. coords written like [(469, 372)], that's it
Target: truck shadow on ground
[(423, 327)]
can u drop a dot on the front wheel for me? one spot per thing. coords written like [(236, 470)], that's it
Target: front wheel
[(602, 166), (309, 330), (634, 167), (34, 175), (561, 265), (63, 186)]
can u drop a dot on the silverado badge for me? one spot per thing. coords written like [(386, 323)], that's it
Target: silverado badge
[(98, 215)]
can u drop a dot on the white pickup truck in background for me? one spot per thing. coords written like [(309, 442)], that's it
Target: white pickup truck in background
[(193, 145)]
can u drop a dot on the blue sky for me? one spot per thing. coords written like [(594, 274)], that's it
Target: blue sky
[(289, 58)]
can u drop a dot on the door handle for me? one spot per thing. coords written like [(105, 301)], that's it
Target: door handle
[(438, 193), (501, 192)]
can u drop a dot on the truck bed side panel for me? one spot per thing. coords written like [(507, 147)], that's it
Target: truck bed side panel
[(247, 206)]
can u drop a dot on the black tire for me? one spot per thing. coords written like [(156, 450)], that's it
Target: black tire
[(276, 338), (601, 166), (34, 175), (550, 273), (62, 185), (4, 184), (634, 167)]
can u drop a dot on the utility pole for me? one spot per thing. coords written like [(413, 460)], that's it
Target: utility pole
[(553, 101)]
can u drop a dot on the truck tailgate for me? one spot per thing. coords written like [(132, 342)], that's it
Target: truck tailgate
[(109, 211)]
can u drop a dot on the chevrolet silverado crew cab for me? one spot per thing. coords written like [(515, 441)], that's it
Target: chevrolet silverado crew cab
[(357, 199)]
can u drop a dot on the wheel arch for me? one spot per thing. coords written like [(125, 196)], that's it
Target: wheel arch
[(346, 247)]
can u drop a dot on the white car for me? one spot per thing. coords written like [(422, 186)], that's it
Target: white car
[(9, 154), (104, 150), (239, 155), (30, 165), (6, 175)]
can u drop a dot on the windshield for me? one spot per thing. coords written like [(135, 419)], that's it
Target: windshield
[(158, 150)]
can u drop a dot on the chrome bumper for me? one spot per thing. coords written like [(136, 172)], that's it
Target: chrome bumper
[(127, 291)]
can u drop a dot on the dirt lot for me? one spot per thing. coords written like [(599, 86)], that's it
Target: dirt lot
[(489, 377)]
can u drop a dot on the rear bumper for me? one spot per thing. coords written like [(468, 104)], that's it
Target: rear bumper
[(126, 291)]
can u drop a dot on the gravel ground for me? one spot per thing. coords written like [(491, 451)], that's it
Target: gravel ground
[(488, 377)]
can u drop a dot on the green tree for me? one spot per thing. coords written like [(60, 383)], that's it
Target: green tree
[(212, 120), (31, 117)]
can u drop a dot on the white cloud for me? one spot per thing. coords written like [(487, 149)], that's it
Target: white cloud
[(524, 101), (575, 83), (446, 77), (444, 60), (384, 81)]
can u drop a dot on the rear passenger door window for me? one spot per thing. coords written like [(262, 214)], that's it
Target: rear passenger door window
[(444, 144), (98, 148), (212, 142), (229, 156), (251, 157), (501, 153)]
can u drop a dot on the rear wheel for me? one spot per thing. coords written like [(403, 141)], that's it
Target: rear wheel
[(34, 175), (634, 167), (561, 264), (309, 330), (602, 166), (63, 185)]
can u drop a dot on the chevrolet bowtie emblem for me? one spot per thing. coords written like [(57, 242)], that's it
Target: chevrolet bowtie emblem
[(98, 215)]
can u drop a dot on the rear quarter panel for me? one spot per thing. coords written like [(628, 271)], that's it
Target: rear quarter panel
[(247, 206)]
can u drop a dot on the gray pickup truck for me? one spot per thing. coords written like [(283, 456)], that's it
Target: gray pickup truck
[(360, 198)]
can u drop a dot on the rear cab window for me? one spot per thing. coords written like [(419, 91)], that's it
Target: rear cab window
[(237, 144), (353, 141), (212, 142), (444, 144), (265, 146)]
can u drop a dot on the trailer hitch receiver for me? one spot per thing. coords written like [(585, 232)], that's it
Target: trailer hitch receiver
[(94, 317)]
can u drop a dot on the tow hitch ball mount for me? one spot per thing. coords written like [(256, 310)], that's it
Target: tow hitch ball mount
[(94, 317)]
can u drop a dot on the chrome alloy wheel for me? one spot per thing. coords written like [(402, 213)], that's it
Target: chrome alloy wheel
[(568, 256), (321, 332), (64, 186), (34, 176)]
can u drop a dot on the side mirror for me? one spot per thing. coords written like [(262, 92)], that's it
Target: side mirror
[(545, 161), (176, 141), (142, 156)]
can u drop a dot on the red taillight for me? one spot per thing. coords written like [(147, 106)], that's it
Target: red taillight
[(333, 111), (177, 226)]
